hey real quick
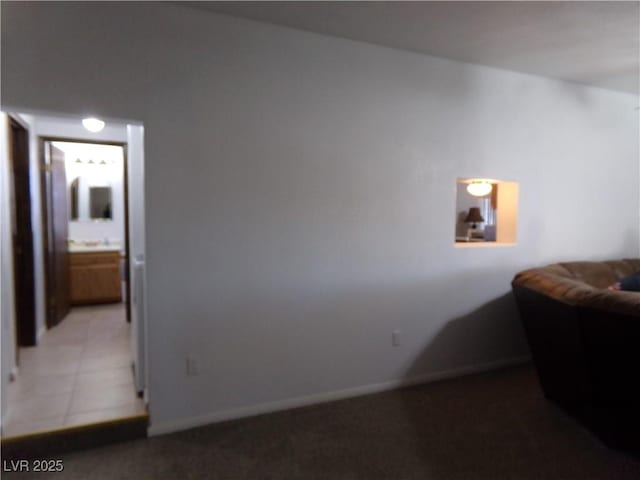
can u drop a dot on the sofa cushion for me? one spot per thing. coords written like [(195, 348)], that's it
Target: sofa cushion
[(614, 301), (624, 267), (598, 274)]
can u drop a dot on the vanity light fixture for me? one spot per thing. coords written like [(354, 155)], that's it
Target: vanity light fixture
[(479, 188), (93, 124)]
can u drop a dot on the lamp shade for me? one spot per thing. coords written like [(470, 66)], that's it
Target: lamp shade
[(479, 188), (474, 216)]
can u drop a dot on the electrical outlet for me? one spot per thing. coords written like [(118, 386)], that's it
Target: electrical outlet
[(395, 338), (192, 366)]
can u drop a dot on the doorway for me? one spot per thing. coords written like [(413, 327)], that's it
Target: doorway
[(86, 224), (83, 368)]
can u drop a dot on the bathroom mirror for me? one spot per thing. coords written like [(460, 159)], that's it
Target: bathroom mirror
[(100, 203), (90, 200)]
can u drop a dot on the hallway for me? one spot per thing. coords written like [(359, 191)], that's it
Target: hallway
[(80, 373)]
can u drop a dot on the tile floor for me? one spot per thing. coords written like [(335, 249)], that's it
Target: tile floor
[(80, 373)]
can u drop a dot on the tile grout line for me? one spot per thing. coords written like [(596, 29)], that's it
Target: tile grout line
[(59, 418), (79, 372), (75, 378)]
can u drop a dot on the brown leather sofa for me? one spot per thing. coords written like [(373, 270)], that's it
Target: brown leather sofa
[(585, 343)]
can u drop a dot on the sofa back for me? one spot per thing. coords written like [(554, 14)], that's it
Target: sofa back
[(584, 284), (601, 274)]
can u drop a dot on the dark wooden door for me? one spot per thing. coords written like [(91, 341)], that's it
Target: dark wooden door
[(22, 235), (58, 302)]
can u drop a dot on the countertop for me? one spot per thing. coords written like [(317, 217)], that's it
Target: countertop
[(75, 248)]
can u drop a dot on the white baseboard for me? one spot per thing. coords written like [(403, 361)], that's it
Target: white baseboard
[(170, 426)]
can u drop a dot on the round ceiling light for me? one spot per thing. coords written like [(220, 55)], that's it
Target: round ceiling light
[(93, 124), (479, 188)]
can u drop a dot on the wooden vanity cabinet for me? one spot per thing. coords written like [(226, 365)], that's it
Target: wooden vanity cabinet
[(95, 277)]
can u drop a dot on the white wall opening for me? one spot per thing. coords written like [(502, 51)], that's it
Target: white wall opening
[(57, 127), (486, 217)]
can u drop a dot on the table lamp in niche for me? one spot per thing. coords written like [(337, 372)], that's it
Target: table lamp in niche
[(474, 217)]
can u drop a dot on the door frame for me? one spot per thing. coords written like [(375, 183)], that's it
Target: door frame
[(24, 292), (46, 221)]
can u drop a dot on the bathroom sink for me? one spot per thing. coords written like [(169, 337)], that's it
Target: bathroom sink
[(91, 246)]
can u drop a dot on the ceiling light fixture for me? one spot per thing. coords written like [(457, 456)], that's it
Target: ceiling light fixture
[(93, 124), (479, 188)]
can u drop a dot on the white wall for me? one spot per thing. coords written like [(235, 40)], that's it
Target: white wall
[(7, 311), (299, 195)]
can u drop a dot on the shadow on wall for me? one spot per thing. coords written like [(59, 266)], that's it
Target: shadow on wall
[(480, 334), (631, 243)]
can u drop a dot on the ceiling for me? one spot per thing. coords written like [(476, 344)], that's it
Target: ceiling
[(594, 43)]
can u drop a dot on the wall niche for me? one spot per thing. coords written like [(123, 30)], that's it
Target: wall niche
[(486, 212)]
